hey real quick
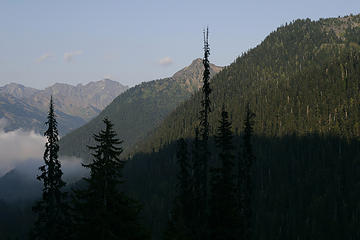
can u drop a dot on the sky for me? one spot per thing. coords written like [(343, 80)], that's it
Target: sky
[(67, 41)]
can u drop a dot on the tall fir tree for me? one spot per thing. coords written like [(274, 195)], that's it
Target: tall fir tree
[(197, 209), (52, 210), (204, 117), (223, 220), (100, 210), (201, 190), (245, 186)]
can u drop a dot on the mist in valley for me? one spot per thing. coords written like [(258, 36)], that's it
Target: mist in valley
[(21, 156)]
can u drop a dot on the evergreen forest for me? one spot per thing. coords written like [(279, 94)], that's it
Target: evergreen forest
[(268, 148)]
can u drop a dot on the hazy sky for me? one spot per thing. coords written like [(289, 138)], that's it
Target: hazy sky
[(43, 42)]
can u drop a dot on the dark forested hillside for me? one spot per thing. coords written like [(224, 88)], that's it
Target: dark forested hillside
[(303, 78), (304, 187), (140, 109)]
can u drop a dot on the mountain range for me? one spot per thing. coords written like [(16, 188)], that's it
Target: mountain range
[(303, 84), (26, 107)]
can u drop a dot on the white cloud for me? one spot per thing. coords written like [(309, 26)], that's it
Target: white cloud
[(44, 57), (24, 151), (166, 61), (68, 56), (70, 166), (108, 76), (18, 146)]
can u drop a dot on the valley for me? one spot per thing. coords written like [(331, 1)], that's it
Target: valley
[(267, 147)]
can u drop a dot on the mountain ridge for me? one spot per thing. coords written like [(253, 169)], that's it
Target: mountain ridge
[(74, 105), (136, 111)]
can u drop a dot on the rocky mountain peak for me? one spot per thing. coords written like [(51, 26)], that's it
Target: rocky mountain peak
[(191, 75), (74, 104), (18, 90)]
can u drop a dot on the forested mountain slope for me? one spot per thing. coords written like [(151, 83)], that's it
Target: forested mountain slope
[(303, 78), (139, 110), (303, 83)]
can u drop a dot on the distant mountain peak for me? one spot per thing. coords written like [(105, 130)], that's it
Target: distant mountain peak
[(190, 76), (17, 90), (12, 84), (74, 104), (108, 80), (102, 83), (197, 61)]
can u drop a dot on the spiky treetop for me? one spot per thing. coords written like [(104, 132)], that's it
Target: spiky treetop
[(52, 209)]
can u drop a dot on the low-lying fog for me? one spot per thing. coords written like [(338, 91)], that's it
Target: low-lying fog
[(23, 151)]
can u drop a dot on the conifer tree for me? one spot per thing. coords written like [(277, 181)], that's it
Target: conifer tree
[(52, 209), (198, 215), (204, 118), (223, 221), (203, 154), (245, 187), (101, 211)]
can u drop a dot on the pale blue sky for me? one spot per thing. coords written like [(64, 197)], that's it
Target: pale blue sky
[(43, 42)]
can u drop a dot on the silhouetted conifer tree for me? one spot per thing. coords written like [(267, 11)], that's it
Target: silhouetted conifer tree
[(245, 187), (101, 210), (204, 118), (197, 214), (52, 209), (201, 161), (223, 221)]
